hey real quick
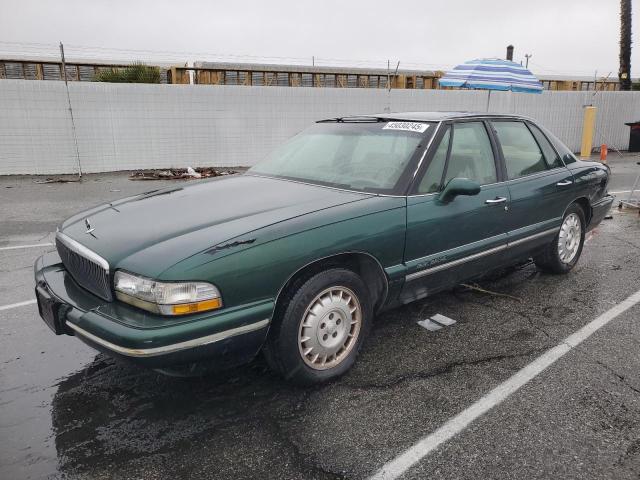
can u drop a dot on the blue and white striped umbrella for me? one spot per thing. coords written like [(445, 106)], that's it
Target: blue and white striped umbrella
[(492, 74)]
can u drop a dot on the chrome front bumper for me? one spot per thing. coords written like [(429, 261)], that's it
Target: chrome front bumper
[(228, 338)]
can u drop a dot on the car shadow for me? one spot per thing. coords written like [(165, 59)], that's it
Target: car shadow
[(110, 412)]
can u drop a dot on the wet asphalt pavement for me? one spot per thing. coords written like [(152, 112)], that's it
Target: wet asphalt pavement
[(69, 412)]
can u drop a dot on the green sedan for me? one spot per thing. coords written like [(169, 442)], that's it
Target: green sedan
[(295, 257)]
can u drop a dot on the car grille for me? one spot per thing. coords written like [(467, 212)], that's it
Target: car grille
[(89, 270)]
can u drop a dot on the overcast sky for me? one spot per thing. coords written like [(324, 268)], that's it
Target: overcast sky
[(565, 36)]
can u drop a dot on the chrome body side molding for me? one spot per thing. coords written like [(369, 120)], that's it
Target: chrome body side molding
[(475, 256), (533, 237), (453, 263)]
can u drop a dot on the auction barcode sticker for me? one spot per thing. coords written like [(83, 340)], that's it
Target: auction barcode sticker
[(408, 126)]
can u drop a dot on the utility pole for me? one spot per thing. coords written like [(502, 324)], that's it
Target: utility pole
[(395, 76), (387, 109), (624, 73), (388, 75), (73, 123), (527, 56)]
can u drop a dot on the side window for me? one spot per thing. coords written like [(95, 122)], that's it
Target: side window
[(566, 154), (549, 153), (433, 176), (522, 155), (471, 154)]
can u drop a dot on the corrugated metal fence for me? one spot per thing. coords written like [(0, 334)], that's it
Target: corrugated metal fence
[(132, 126)]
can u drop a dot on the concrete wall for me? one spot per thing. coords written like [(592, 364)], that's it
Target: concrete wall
[(129, 126)]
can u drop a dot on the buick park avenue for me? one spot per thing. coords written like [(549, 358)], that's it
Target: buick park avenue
[(295, 257)]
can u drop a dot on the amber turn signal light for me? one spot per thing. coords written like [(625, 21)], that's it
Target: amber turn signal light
[(203, 306)]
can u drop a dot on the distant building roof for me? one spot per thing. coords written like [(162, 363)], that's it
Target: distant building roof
[(274, 67)]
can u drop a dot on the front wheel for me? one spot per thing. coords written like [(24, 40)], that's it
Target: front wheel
[(320, 328), (561, 255)]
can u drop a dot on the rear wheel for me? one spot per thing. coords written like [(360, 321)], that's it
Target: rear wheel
[(320, 327), (561, 255)]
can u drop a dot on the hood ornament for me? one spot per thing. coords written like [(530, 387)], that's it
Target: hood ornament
[(90, 229)]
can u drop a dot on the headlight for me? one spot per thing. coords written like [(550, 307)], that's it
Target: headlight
[(166, 298)]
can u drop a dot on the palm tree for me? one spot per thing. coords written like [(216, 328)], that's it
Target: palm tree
[(625, 45)]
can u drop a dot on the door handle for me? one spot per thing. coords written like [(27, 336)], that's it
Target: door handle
[(564, 183), (495, 200)]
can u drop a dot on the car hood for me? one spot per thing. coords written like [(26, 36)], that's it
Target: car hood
[(148, 233)]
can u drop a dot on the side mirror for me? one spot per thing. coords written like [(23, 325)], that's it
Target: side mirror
[(458, 186)]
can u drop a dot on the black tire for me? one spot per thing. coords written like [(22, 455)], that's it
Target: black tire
[(549, 260), (283, 349)]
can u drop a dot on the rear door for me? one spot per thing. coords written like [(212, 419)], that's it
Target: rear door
[(540, 186), (447, 242)]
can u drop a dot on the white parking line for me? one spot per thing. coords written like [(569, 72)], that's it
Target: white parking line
[(399, 465), (620, 191), (17, 247), (16, 305)]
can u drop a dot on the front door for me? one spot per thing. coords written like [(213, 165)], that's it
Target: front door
[(450, 241)]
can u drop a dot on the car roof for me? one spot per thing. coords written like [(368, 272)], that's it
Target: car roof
[(422, 116)]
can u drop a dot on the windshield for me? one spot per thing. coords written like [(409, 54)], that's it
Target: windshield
[(356, 156)]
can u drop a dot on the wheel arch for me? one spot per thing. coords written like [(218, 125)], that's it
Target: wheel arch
[(585, 204), (362, 263)]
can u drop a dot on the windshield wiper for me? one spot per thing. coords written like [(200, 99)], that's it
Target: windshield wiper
[(344, 186)]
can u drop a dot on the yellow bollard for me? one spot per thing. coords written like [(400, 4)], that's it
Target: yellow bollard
[(588, 127)]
